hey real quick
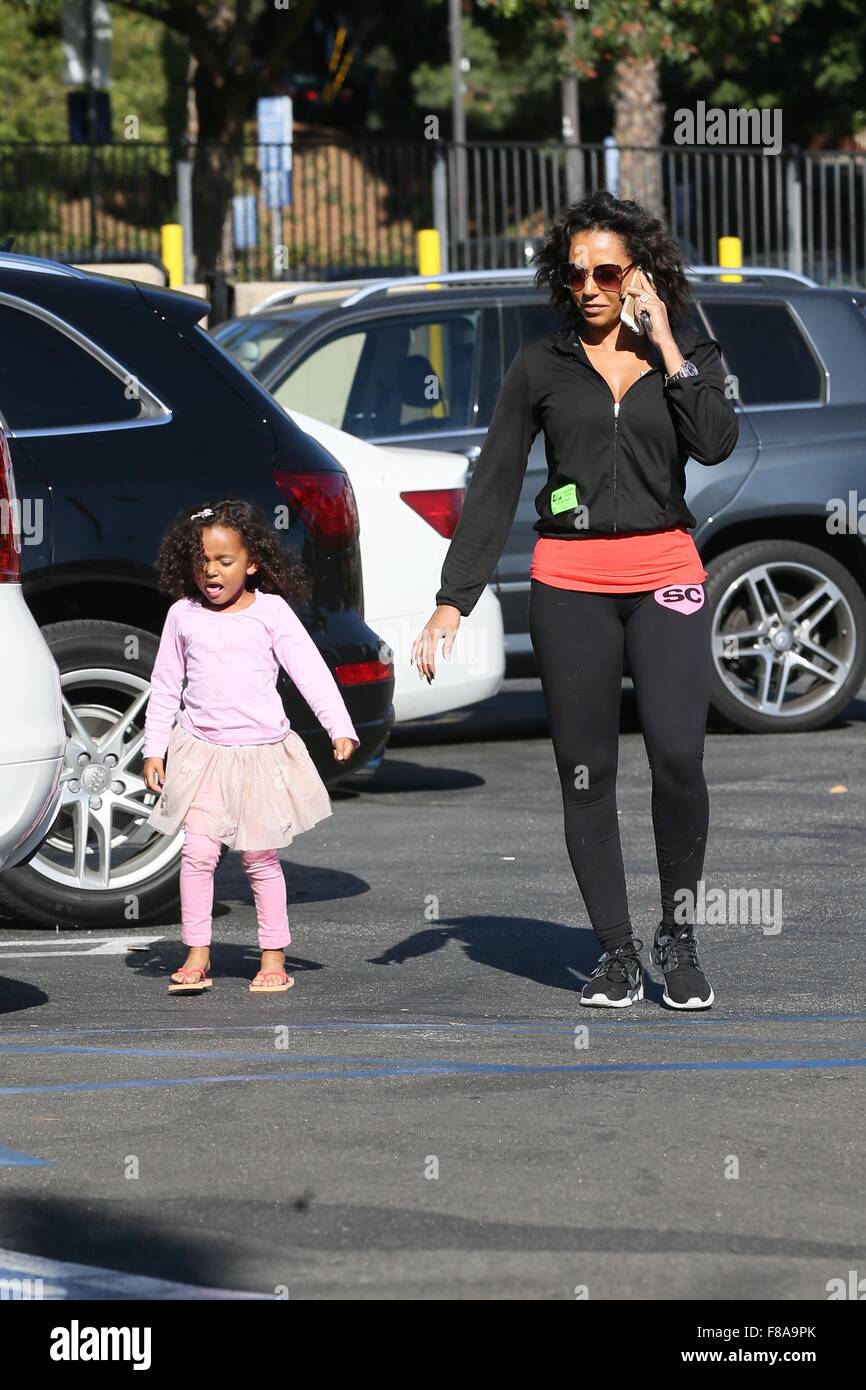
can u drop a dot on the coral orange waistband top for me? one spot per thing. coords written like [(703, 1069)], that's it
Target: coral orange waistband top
[(618, 564)]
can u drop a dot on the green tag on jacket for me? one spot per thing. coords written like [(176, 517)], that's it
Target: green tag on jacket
[(563, 498)]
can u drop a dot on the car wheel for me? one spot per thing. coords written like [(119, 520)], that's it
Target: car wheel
[(788, 636), (100, 864)]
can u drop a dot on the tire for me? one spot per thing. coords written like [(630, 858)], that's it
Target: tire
[(105, 678), (759, 596)]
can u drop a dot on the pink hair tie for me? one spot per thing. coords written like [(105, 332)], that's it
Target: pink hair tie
[(208, 511)]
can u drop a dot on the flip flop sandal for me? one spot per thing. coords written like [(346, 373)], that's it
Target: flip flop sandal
[(188, 984), (287, 982)]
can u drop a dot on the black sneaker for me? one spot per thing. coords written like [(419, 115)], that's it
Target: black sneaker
[(676, 954), (617, 980)]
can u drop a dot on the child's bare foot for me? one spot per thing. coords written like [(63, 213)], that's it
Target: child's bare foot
[(191, 976), (272, 978)]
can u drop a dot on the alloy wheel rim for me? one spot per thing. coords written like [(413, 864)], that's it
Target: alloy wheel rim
[(101, 840), (784, 639)]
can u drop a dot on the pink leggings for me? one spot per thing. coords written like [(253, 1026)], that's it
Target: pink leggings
[(265, 873)]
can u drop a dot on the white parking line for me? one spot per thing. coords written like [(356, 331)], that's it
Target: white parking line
[(116, 945)]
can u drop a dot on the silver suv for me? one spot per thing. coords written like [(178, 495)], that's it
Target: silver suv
[(779, 530)]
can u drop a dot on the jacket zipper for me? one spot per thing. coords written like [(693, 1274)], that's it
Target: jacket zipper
[(616, 406)]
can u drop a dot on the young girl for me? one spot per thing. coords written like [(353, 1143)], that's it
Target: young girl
[(237, 774)]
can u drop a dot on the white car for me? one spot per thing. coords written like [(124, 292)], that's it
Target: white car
[(32, 732), (408, 504)]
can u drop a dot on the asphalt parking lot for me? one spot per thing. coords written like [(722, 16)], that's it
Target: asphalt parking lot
[(429, 1113)]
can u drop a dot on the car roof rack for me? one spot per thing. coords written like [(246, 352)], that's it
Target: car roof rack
[(17, 260), (446, 277), (280, 298), (359, 290), (363, 289), (753, 272)]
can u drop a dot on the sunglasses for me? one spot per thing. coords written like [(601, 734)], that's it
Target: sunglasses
[(606, 277)]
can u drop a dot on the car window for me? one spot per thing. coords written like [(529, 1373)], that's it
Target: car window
[(391, 376), (766, 351), (48, 381), (524, 321), (250, 340), (321, 382)]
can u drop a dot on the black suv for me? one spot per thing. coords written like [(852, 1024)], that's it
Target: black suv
[(120, 410), (786, 572)]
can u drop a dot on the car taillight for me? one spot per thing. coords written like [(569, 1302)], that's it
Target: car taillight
[(357, 672), (439, 506), (326, 504), (10, 536)]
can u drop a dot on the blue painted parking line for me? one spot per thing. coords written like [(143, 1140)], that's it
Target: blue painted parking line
[(11, 1158), (348, 1025), (178, 1053), (282, 1054), (443, 1068)]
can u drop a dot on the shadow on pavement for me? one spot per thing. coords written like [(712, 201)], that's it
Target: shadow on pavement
[(104, 1235), (395, 774), (548, 953), (227, 961), (16, 995)]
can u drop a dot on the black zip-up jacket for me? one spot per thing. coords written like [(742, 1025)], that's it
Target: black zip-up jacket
[(626, 465)]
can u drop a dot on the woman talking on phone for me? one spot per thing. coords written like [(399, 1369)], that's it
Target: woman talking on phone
[(625, 392)]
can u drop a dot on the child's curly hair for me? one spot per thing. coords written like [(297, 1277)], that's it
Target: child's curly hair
[(650, 245), (181, 553)]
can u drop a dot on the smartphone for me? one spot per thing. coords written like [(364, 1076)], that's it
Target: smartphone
[(638, 325)]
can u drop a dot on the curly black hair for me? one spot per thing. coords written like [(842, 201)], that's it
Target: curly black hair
[(181, 553), (650, 245)]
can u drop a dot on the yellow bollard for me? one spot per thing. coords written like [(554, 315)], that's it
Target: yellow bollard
[(429, 252), (731, 253), (430, 263), (171, 243)]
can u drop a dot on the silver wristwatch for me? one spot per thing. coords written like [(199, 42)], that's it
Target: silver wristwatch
[(687, 369)]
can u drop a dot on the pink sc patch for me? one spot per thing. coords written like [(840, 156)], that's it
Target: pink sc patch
[(683, 598)]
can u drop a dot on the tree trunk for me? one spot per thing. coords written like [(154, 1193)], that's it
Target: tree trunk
[(217, 159), (639, 118)]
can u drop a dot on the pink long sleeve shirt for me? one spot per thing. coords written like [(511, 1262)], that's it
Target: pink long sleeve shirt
[(230, 662)]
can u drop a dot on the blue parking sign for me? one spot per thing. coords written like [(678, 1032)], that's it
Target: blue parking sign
[(274, 120)]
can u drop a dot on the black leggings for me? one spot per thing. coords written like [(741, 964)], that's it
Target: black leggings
[(580, 640)]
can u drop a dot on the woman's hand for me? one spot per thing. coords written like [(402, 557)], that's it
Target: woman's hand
[(659, 331), (343, 749), (444, 624), (154, 774)]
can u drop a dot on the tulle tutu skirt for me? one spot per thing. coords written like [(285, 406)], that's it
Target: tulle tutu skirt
[(251, 796)]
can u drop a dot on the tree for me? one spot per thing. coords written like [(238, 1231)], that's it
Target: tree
[(238, 51), (637, 38)]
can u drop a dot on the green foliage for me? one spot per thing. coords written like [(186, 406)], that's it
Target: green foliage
[(672, 31), (148, 69), (747, 53), (34, 98), (497, 86)]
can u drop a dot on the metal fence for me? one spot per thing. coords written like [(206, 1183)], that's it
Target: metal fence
[(801, 210), (356, 205)]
